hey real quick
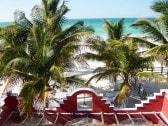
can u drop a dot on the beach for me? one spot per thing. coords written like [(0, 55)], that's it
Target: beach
[(104, 87), (98, 25)]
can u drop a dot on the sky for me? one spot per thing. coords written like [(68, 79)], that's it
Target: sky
[(85, 8)]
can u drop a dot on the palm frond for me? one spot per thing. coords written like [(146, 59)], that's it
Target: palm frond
[(45, 7), (57, 18), (18, 62), (74, 80), (53, 5), (109, 26), (143, 42), (27, 100), (57, 75), (119, 29), (114, 30), (36, 91), (93, 56), (152, 28), (14, 35), (159, 52), (9, 82), (96, 44), (101, 73), (160, 6), (151, 77)]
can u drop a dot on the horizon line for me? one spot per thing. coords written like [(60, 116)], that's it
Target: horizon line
[(95, 18)]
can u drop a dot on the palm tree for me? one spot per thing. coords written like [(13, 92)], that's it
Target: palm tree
[(45, 56), (132, 64), (116, 31), (155, 31), (103, 52), (121, 58)]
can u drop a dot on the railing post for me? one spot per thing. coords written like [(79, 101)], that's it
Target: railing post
[(167, 73), (161, 70)]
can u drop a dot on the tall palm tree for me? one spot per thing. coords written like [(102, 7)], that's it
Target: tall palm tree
[(45, 56), (132, 64), (116, 31), (121, 58)]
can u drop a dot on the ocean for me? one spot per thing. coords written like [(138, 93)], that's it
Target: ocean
[(98, 25)]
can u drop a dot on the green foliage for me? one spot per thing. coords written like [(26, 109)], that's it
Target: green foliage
[(156, 31), (160, 6), (14, 35), (151, 77), (41, 52), (121, 57), (32, 90), (114, 30), (152, 27), (160, 52), (57, 74)]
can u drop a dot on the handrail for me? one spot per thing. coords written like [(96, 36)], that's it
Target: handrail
[(158, 69), (104, 113)]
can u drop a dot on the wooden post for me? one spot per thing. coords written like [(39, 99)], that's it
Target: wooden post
[(56, 118), (102, 118), (130, 118), (116, 118)]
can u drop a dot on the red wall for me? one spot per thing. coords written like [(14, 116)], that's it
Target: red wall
[(70, 104), (165, 106), (68, 110), (10, 105), (100, 106)]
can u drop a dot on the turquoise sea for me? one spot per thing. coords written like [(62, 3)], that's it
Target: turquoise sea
[(98, 25)]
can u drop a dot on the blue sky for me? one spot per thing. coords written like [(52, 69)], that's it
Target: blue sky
[(85, 8)]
